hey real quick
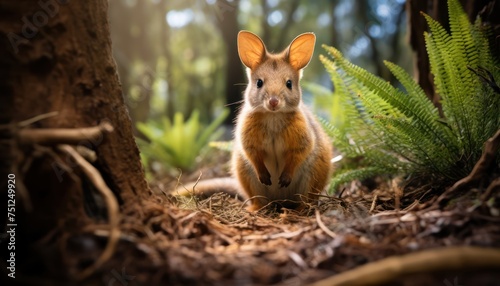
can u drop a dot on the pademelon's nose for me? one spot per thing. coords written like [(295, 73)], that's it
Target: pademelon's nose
[(273, 101)]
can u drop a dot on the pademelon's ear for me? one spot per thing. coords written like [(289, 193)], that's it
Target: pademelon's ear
[(301, 50), (251, 49)]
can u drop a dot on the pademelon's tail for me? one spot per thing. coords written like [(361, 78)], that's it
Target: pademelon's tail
[(206, 188)]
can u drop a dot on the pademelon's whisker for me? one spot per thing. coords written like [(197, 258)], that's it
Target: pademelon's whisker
[(233, 103)]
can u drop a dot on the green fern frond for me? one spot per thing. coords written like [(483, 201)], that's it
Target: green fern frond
[(420, 109), (450, 84), (397, 131), (461, 33), (351, 175), (340, 138)]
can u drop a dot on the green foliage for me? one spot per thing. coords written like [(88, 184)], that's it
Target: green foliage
[(177, 143), (398, 131), (323, 101), (226, 146)]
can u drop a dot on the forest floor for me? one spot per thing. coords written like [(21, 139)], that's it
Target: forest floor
[(375, 232), (167, 240)]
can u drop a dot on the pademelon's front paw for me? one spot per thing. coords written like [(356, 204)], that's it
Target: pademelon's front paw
[(285, 180), (265, 178)]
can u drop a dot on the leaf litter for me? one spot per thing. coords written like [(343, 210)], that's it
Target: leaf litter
[(167, 240)]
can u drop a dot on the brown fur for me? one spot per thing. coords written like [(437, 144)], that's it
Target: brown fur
[(281, 153)]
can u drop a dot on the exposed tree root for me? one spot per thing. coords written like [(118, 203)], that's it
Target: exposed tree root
[(37, 118), (113, 210), (433, 260), (483, 165), (61, 137), (52, 136), (495, 185)]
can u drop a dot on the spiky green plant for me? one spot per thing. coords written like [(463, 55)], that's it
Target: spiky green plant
[(398, 131), (177, 143)]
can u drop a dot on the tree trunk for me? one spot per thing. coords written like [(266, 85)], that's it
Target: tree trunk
[(228, 25), (56, 57)]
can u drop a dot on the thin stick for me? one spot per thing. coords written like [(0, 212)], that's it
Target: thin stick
[(73, 136), (285, 235), (446, 259), (113, 210), (323, 226), (374, 203)]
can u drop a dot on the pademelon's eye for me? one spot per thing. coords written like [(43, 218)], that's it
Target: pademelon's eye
[(289, 84), (259, 83)]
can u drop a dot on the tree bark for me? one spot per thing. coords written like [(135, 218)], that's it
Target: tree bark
[(56, 57), (227, 21)]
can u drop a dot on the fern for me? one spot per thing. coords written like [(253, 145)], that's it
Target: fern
[(398, 131)]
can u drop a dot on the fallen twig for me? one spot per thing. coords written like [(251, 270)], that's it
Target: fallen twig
[(374, 203), (285, 235), (112, 206), (433, 260), (295, 257), (323, 226)]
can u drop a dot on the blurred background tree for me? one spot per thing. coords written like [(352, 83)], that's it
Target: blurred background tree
[(180, 55)]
